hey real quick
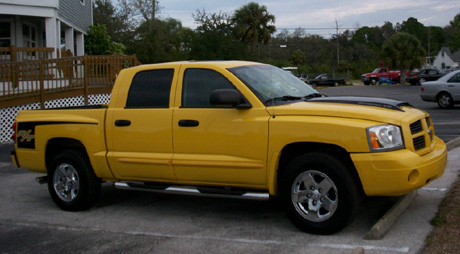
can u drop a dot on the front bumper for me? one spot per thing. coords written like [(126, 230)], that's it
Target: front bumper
[(365, 78), (399, 172)]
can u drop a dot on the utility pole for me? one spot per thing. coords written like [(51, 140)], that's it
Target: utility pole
[(154, 8), (337, 38)]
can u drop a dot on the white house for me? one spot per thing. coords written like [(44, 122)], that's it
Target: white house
[(58, 24), (446, 60)]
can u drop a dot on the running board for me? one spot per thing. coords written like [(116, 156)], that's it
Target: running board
[(194, 191)]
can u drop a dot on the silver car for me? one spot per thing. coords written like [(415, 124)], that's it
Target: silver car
[(445, 91)]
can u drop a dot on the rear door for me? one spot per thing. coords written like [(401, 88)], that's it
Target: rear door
[(139, 136), (453, 86)]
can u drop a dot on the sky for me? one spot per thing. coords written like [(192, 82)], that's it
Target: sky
[(320, 16)]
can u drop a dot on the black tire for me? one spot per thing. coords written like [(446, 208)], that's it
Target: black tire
[(366, 83), (321, 211), (72, 184), (445, 100), (374, 81), (336, 83)]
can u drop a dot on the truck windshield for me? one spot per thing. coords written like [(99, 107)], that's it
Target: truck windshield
[(376, 70), (269, 82)]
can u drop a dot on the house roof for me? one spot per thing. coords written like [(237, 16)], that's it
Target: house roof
[(454, 56)]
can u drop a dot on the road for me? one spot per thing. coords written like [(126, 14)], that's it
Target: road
[(137, 222)]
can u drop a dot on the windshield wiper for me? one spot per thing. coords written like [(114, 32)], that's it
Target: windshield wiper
[(313, 95), (284, 98)]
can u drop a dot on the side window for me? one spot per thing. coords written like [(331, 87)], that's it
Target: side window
[(455, 78), (198, 85), (150, 89)]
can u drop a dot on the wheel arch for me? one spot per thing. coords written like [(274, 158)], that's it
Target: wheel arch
[(294, 150), (443, 92), (57, 145)]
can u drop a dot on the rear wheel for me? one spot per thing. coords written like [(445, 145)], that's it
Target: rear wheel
[(71, 181), (445, 100), (319, 193)]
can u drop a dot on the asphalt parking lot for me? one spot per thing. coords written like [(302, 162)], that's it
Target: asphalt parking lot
[(137, 222)]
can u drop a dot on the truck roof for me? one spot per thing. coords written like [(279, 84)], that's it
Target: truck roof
[(224, 64)]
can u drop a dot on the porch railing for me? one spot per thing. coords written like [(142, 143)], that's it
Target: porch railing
[(47, 79), (19, 54)]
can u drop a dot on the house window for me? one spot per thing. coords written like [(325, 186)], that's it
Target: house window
[(29, 36), (5, 34)]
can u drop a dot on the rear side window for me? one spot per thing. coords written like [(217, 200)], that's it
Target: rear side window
[(455, 78), (150, 89)]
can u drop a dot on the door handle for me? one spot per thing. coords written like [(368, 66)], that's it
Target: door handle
[(188, 123), (122, 123)]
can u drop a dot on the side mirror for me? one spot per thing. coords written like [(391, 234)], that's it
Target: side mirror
[(228, 97)]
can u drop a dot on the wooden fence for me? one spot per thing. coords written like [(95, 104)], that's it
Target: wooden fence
[(19, 54), (47, 79)]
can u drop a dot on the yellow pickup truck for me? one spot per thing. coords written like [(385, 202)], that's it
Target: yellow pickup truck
[(234, 129)]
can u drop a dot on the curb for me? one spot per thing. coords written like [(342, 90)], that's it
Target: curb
[(382, 226)]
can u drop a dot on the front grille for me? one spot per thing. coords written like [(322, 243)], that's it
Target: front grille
[(428, 122), (416, 127), (419, 143)]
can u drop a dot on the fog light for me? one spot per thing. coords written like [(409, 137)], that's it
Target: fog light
[(413, 176)]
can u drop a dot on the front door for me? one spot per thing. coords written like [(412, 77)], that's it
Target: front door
[(218, 145)]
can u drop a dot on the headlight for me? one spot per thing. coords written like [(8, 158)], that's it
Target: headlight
[(385, 138)]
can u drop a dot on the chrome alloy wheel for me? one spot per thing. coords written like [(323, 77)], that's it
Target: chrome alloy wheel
[(314, 196), (444, 100), (66, 182)]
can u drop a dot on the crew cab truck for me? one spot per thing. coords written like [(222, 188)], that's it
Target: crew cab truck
[(235, 129), (376, 75)]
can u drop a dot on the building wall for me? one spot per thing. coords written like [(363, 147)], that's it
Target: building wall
[(440, 59), (76, 14)]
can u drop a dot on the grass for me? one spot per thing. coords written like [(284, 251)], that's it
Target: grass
[(445, 238)]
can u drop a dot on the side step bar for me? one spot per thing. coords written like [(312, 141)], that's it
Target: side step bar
[(195, 191)]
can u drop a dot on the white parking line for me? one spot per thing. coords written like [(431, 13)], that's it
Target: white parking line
[(434, 189), (239, 240)]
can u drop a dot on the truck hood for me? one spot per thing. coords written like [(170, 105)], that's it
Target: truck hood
[(365, 108)]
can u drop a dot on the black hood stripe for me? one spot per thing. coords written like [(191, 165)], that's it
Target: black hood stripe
[(366, 101)]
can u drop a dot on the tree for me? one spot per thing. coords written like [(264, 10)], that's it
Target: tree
[(403, 51), (412, 26), (215, 37), (453, 32), (98, 42), (254, 24), (298, 57)]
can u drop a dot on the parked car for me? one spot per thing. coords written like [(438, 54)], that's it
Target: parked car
[(445, 91), (325, 80), (374, 77), (423, 76)]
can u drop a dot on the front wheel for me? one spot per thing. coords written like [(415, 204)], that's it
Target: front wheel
[(319, 193), (71, 181)]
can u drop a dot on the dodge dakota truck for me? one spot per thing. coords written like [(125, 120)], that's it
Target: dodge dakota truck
[(232, 129)]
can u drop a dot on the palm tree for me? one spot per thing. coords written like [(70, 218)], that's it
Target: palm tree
[(254, 24), (404, 51)]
